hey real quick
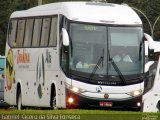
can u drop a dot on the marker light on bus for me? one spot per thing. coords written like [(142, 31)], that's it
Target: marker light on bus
[(135, 93)]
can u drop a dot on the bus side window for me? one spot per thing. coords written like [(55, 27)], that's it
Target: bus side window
[(28, 32), (37, 32), (20, 33), (53, 32), (45, 31), (12, 32)]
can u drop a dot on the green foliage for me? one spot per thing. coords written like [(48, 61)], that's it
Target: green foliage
[(7, 7), (24, 4), (151, 8)]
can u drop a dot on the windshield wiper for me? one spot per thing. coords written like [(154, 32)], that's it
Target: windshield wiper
[(97, 65), (118, 71)]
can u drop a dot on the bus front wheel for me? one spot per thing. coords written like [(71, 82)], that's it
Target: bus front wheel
[(54, 106), (53, 97)]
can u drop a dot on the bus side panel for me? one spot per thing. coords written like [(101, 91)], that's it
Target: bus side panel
[(61, 94), (53, 76), (35, 73), (37, 69), (10, 81), (151, 98)]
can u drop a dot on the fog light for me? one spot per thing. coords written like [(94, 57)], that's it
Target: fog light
[(70, 100), (138, 104)]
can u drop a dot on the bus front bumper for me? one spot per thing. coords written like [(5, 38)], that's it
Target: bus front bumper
[(77, 100)]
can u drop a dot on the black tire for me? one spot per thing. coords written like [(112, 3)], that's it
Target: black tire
[(158, 106), (19, 100), (53, 100)]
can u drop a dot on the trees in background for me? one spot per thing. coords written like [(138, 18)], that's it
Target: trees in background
[(151, 8), (7, 7)]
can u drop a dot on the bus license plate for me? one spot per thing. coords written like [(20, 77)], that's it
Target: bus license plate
[(105, 104)]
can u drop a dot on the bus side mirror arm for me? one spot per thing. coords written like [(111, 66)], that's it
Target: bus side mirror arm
[(147, 65), (65, 37)]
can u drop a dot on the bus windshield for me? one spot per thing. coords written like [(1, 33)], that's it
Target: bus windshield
[(95, 47)]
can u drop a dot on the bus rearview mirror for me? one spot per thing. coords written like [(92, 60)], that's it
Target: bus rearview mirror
[(151, 46), (65, 37)]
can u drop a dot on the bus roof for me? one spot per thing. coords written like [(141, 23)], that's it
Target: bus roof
[(92, 12)]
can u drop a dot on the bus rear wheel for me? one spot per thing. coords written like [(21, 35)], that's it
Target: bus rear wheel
[(19, 100)]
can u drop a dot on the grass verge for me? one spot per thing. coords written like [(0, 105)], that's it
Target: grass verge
[(75, 114)]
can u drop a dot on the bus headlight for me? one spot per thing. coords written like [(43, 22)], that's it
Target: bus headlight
[(135, 93), (75, 89)]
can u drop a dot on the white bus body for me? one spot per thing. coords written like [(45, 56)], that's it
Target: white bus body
[(44, 41)]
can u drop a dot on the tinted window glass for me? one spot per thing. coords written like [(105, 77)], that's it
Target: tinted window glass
[(28, 32), (20, 33), (53, 33), (36, 32), (12, 32), (45, 31)]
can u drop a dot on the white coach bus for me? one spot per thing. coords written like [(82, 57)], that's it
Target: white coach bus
[(80, 54)]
